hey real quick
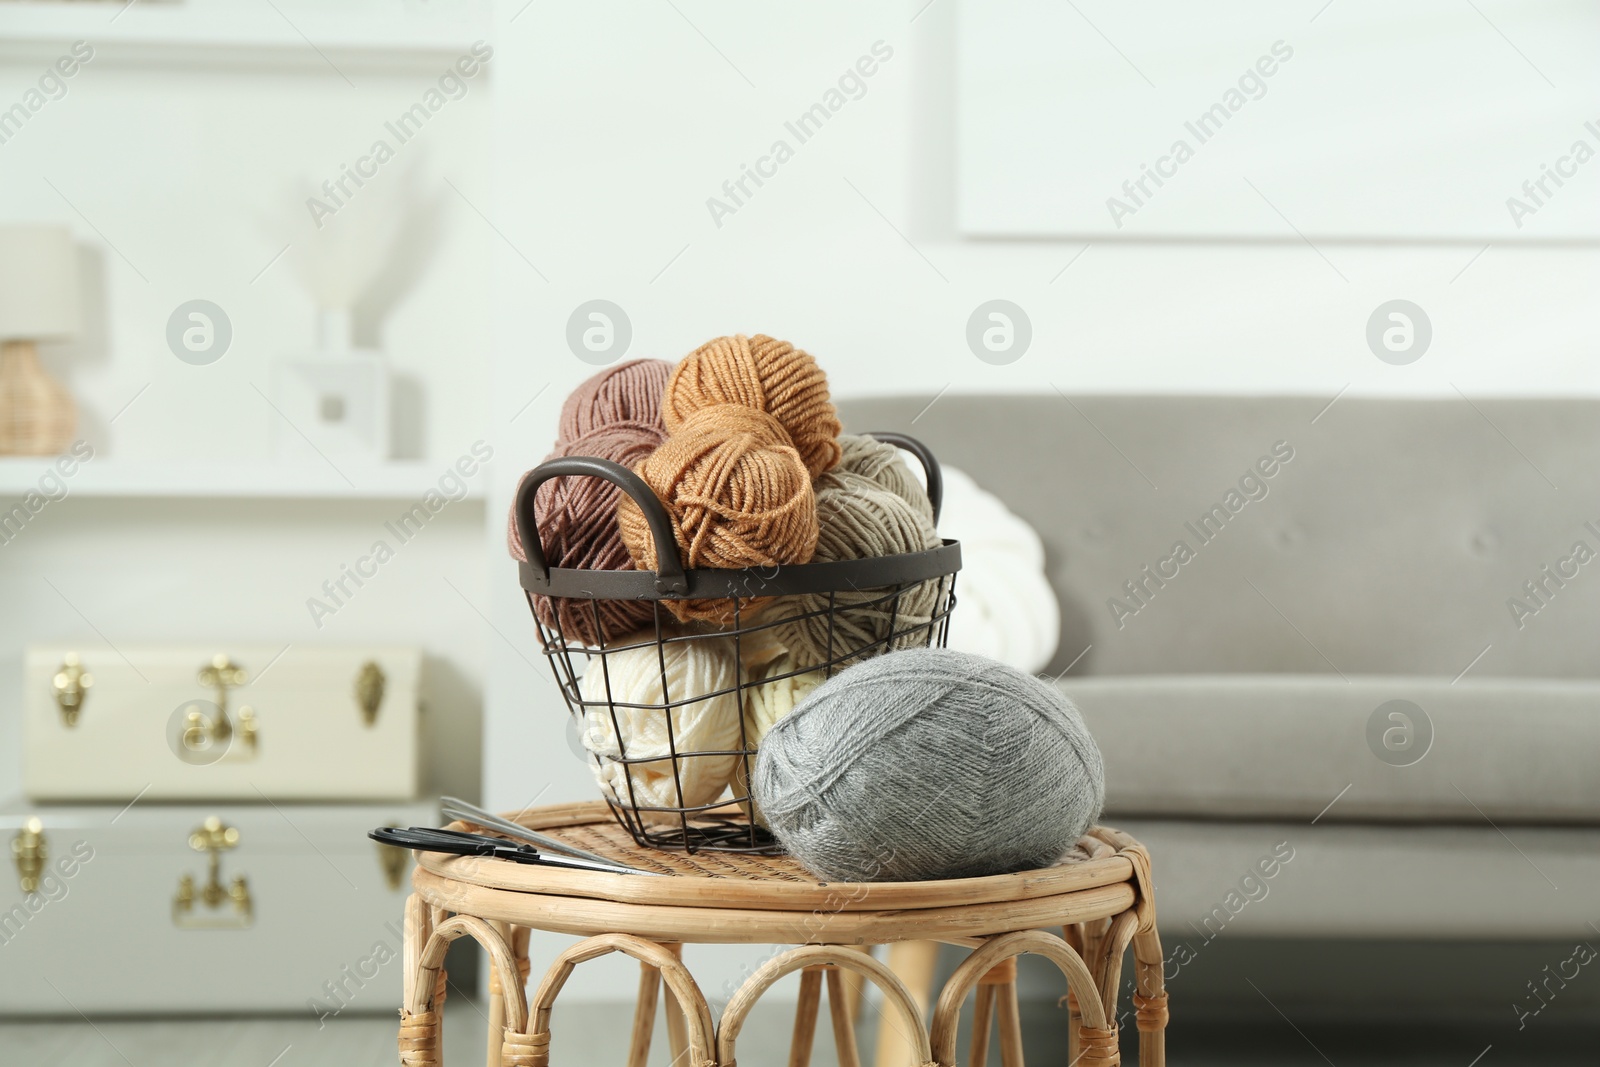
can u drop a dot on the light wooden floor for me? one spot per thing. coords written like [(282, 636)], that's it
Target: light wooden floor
[(590, 1035)]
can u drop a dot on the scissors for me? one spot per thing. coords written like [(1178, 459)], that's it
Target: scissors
[(461, 843), (456, 808)]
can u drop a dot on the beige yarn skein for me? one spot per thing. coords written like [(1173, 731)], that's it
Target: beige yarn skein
[(879, 462), (858, 519)]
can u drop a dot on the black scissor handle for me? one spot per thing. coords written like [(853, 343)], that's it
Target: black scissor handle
[(453, 842)]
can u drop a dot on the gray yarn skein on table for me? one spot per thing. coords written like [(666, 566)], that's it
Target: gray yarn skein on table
[(928, 764)]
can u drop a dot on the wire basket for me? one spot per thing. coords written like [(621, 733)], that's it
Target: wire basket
[(645, 788)]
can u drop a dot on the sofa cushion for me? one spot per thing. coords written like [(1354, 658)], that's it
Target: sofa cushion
[(1285, 746), (1288, 879), (1370, 537)]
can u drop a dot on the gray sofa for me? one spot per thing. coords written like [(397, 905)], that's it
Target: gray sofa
[(1372, 551)]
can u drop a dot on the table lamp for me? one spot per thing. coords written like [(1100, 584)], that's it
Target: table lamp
[(38, 301)]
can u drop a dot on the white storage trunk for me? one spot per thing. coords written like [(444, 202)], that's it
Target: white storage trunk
[(103, 933), (329, 723)]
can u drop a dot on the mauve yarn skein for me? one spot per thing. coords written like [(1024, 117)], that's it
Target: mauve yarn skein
[(858, 519), (768, 375), (929, 764), (628, 392), (737, 496), (577, 520)]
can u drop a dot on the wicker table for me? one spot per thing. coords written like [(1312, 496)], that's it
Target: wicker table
[(1099, 896)]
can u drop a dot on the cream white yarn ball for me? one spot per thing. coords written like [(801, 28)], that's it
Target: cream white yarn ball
[(772, 692), (772, 686), (634, 676)]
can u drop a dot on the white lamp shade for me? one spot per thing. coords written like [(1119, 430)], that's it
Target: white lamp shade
[(38, 283)]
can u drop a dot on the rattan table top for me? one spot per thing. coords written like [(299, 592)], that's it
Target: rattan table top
[(742, 881)]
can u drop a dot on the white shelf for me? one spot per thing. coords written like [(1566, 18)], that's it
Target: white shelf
[(361, 34), (110, 479)]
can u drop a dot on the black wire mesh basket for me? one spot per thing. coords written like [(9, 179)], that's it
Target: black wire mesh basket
[(661, 768)]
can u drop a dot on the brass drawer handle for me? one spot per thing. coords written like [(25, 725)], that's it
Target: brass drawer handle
[(222, 674), (370, 684), (30, 850), (392, 858), (203, 733), (71, 686), (213, 838)]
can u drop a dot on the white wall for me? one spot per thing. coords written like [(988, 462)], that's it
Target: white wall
[(185, 183)]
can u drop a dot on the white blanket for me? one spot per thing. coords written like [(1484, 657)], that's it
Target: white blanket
[(1005, 607)]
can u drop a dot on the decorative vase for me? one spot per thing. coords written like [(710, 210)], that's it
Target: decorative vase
[(335, 400), (37, 414)]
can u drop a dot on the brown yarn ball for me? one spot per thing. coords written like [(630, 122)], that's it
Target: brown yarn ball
[(768, 375), (628, 392), (577, 520), (737, 494)]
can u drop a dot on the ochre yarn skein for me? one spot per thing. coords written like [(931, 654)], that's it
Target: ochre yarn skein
[(577, 520), (628, 392), (768, 375), (737, 494)]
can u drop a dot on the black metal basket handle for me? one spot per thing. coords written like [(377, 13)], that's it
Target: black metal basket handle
[(669, 565), (924, 454), (669, 574)]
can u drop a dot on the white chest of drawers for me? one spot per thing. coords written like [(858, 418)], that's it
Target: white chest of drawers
[(122, 920), (242, 722)]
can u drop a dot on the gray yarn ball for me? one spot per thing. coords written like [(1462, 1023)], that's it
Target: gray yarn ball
[(929, 763)]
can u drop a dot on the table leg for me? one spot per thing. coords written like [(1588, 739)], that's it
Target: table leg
[(982, 1012), (419, 1038), (1098, 1038), (820, 957), (1072, 935), (1112, 949), (1150, 998), (677, 1026), (1010, 1025), (997, 999), (854, 989), (840, 1007), (497, 1005), (644, 1015), (915, 964), (497, 1022), (805, 1017)]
